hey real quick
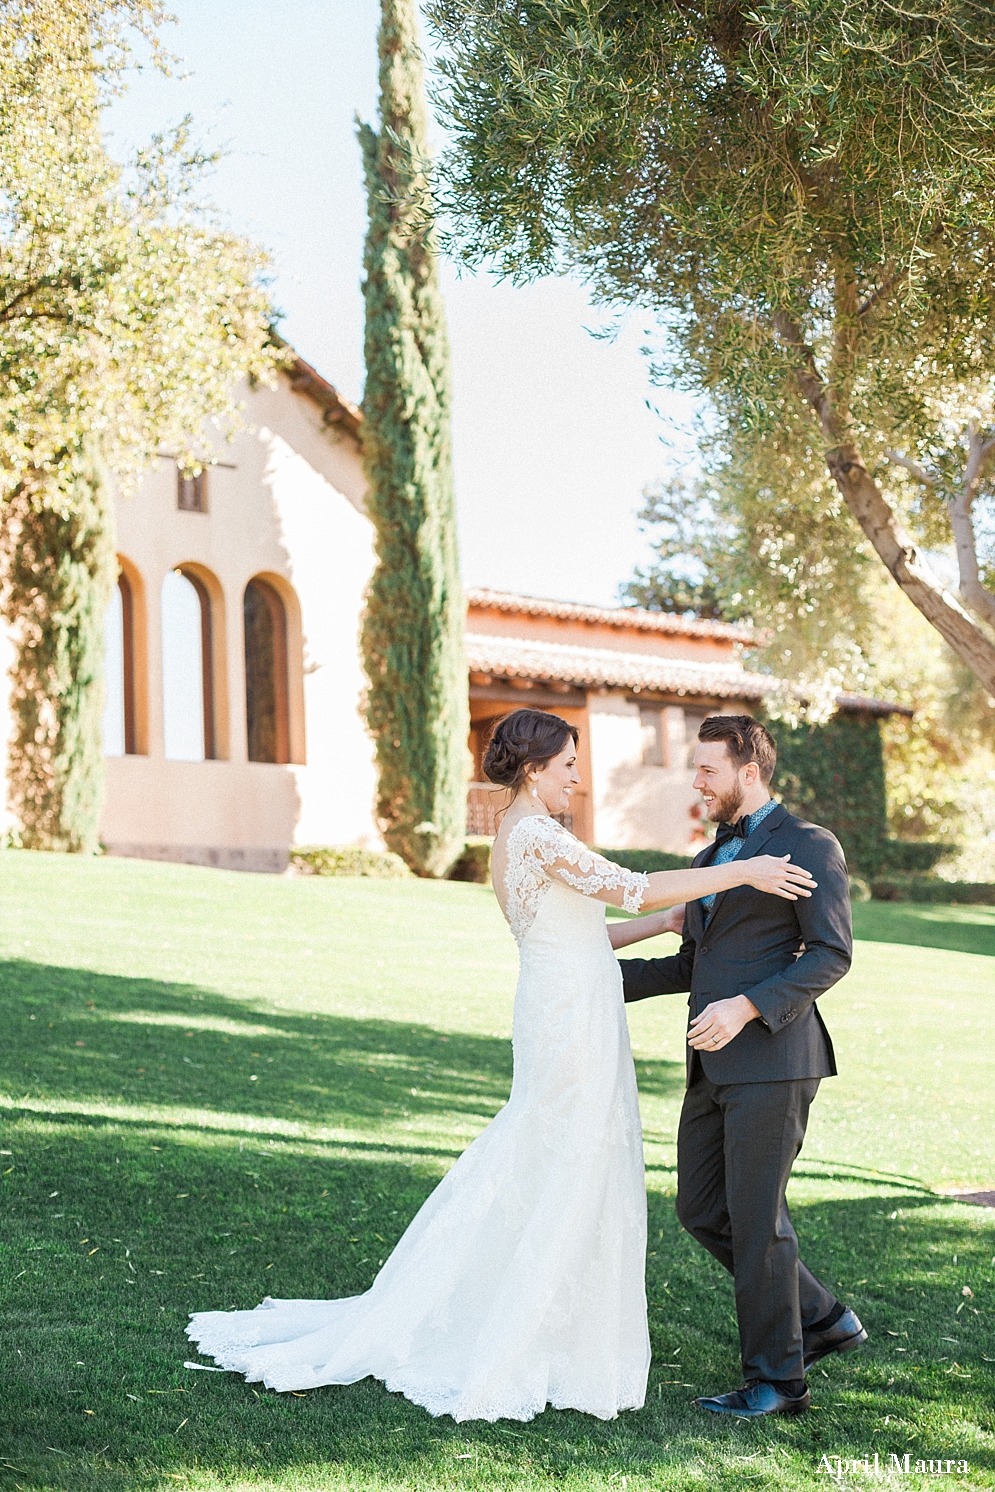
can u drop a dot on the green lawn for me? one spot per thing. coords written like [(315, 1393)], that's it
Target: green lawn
[(216, 1087)]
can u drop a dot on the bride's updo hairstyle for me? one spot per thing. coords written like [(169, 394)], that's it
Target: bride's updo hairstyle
[(523, 739)]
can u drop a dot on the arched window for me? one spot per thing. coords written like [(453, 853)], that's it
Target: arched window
[(119, 723), (266, 693), (187, 668)]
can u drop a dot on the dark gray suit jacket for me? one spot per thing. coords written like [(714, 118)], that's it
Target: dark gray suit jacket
[(782, 954)]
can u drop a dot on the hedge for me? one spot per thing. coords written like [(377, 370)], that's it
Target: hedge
[(909, 857), (833, 775), (647, 860), (474, 864), (347, 860), (932, 889)]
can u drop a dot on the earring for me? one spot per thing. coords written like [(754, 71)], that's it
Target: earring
[(535, 792)]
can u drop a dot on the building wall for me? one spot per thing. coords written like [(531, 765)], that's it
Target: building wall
[(286, 505), (641, 785)]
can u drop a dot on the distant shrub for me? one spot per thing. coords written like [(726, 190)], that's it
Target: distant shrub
[(932, 889), (647, 860), (474, 864), (348, 860), (911, 857), (859, 889)]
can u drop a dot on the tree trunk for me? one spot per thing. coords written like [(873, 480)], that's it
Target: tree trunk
[(895, 548), (59, 567)]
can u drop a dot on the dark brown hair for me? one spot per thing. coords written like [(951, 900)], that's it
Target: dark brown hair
[(746, 741), (523, 739)]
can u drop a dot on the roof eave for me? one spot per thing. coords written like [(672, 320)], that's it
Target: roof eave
[(592, 669), (338, 413), (863, 704)]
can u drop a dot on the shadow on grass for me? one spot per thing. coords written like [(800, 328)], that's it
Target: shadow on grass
[(117, 1229), (139, 1042), (82, 1035)]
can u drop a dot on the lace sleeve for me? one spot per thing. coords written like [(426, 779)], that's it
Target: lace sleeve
[(563, 857)]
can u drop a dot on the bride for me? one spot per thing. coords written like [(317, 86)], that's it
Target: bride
[(519, 1283)]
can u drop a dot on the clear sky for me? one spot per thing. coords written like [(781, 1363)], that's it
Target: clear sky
[(553, 437)]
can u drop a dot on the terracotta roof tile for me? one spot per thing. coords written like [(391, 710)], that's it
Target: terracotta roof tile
[(513, 657), (611, 616)]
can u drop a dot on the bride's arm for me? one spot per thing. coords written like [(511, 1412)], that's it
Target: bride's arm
[(622, 934), (770, 873), (565, 858)]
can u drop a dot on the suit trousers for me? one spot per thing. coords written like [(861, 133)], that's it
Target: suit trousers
[(736, 1145)]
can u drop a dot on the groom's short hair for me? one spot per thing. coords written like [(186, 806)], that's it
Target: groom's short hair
[(746, 741)]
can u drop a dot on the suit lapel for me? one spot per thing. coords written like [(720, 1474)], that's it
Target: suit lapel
[(756, 844)]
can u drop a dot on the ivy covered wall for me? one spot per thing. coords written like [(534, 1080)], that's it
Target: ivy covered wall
[(833, 775)]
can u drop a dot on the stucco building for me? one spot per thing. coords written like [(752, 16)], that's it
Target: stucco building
[(234, 727), (636, 683)]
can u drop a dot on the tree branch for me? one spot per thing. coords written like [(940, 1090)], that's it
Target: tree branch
[(15, 301), (878, 297), (895, 276), (814, 389), (919, 472), (47, 283), (882, 293)]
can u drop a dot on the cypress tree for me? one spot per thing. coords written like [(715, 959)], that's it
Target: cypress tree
[(58, 572), (413, 631)]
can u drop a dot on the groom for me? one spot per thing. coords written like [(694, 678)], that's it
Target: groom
[(755, 966)]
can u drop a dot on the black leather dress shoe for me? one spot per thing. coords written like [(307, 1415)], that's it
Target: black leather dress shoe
[(843, 1336), (756, 1399)]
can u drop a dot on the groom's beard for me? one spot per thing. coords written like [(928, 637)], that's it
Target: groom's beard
[(725, 810)]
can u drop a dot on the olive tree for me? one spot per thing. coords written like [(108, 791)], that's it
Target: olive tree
[(803, 192)]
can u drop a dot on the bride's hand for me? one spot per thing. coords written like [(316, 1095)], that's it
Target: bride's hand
[(773, 874), (672, 920)]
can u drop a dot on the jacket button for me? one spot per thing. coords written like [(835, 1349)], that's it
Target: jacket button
[(704, 947)]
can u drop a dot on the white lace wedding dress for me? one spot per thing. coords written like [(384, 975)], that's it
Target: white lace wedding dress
[(520, 1282)]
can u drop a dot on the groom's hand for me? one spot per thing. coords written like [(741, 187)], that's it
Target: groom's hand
[(719, 1022)]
